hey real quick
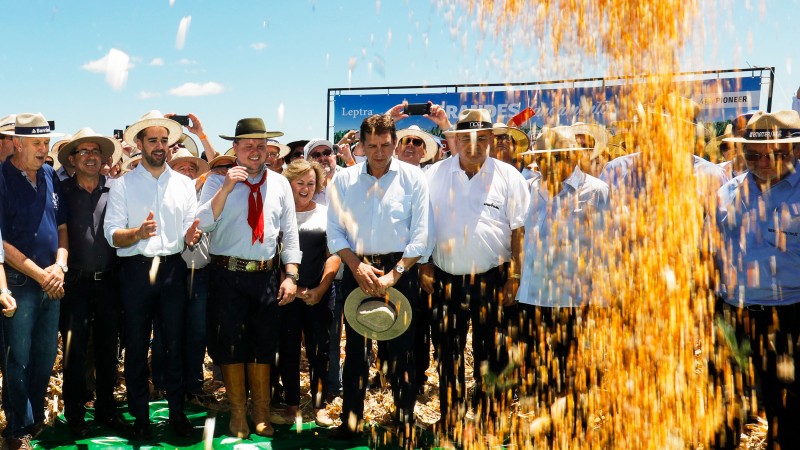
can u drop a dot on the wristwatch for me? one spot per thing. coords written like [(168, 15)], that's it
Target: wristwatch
[(63, 267), (5, 291), (294, 276), (400, 268)]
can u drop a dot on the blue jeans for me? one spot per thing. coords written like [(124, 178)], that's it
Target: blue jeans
[(31, 344)]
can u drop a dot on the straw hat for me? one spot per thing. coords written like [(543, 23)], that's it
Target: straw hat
[(30, 125), (597, 132), (183, 154), (8, 122), (521, 140), (251, 128), (430, 143), (130, 162), (153, 118), (283, 150), (189, 144), (555, 139), (108, 146), (378, 318), (473, 120), (222, 160), (55, 149), (770, 128)]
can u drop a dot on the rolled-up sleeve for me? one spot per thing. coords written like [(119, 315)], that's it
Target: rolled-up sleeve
[(116, 213), (419, 242), (337, 235), (204, 212), (291, 253)]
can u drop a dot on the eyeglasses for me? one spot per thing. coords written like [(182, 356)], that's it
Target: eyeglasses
[(503, 137), (272, 154), (221, 166), (87, 152), (325, 153), (756, 156), (417, 142)]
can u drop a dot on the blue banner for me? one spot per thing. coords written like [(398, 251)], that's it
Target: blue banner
[(721, 100)]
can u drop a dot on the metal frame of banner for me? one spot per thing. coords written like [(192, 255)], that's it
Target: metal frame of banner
[(332, 92)]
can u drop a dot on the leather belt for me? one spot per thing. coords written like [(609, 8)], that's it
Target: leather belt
[(96, 276), (235, 264), (382, 260)]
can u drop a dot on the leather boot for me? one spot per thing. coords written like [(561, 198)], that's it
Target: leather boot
[(258, 375), (233, 375)]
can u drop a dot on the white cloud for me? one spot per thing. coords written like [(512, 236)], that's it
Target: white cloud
[(197, 89), (144, 95), (171, 3), (186, 62), (115, 65), (183, 28), (157, 62), (258, 45)]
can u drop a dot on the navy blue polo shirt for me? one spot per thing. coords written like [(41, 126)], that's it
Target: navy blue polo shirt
[(29, 218)]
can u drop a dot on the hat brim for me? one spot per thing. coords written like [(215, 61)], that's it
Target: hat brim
[(742, 140), (220, 158), (202, 165), (265, 135), (283, 150), (106, 145), (43, 135), (174, 128), (430, 143), (493, 129), (554, 150), (401, 324), (597, 132)]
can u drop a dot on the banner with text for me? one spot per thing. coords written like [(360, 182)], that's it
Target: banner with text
[(721, 100)]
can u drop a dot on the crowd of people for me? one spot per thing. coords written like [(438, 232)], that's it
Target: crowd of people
[(148, 242)]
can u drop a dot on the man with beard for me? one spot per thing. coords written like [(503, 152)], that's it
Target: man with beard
[(150, 219)]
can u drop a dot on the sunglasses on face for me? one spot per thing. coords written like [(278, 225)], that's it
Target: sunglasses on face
[(756, 157), (417, 142), (325, 153)]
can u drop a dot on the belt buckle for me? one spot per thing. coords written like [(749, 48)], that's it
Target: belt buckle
[(98, 276), (251, 266), (232, 263)]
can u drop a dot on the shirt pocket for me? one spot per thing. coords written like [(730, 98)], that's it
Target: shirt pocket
[(400, 207), (493, 209)]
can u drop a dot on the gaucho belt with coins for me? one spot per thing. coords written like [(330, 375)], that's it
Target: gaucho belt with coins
[(235, 264)]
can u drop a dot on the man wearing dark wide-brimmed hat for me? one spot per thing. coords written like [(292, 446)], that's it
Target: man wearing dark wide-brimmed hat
[(378, 224), (33, 223), (91, 304), (247, 209), (478, 205), (150, 219), (759, 262)]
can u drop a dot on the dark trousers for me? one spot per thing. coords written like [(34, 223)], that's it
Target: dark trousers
[(457, 300), (774, 336), (399, 350), (335, 350), (142, 302), (90, 307), (242, 316), (548, 350), (194, 339), (309, 324), (422, 336)]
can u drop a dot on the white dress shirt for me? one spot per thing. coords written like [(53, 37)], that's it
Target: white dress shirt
[(473, 217), (376, 216), (231, 235), (560, 241), (172, 199)]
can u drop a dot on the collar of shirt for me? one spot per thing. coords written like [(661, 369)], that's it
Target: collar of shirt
[(575, 179), (487, 166), (392, 166)]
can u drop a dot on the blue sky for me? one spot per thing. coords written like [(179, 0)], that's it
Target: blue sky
[(276, 59)]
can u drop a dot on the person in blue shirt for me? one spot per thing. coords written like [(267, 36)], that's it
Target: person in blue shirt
[(758, 257), (33, 225)]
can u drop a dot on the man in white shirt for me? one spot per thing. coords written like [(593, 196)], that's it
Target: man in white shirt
[(150, 218), (478, 205), (378, 224), (245, 211)]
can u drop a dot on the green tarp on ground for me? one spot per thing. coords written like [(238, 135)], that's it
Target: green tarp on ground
[(210, 433)]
